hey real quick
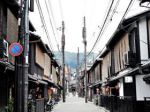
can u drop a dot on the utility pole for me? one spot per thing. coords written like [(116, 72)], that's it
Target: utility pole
[(78, 86), (85, 44), (63, 59), (21, 64)]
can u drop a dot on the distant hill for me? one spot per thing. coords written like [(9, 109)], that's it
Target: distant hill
[(71, 58)]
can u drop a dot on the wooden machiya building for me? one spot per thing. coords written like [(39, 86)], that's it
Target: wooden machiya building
[(56, 79), (94, 79), (43, 76), (8, 35), (36, 86), (125, 67), (40, 63)]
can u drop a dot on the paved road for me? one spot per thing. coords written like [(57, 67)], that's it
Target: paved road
[(76, 104)]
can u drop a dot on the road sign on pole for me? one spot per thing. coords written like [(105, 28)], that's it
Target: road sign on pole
[(15, 49)]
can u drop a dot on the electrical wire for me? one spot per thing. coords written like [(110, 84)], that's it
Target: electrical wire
[(109, 19), (44, 23), (51, 25), (144, 42), (129, 6), (114, 10), (102, 27), (105, 19), (50, 6), (91, 21)]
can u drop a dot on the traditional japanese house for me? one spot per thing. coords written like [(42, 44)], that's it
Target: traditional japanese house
[(37, 70), (94, 79), (8, 35), (125, 66)]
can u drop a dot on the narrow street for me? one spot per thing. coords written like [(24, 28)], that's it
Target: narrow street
[(76, 104), (74, 55)]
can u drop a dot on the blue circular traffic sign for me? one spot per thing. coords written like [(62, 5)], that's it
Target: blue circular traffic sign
[(15, 49)]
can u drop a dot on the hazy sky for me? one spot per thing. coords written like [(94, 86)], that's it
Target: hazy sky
[(72, 12)]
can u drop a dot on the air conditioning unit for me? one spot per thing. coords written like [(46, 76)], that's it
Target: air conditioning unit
[(130, 59), (3, 48)]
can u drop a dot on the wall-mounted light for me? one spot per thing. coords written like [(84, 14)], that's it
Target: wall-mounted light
[(128, 79)]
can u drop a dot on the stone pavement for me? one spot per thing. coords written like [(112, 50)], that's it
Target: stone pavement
[(76, 104)]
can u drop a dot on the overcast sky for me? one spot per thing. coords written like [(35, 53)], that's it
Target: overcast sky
[(72, 12)]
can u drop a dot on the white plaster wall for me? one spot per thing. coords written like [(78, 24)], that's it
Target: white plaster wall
[(121, 92), (143, 39), (142, 89)]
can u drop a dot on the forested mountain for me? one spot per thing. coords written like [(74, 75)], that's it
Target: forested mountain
[(71, 58)]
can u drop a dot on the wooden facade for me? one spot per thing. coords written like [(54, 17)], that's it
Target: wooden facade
[(124, 66), (42, 71), (47, 64), (40, 61), (8, 34), (36, 66)]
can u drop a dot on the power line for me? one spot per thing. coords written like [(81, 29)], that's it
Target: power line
[(52, 25), (102, 27), (91, 21), (105, 22), (53, 17), (44, 23), (110, 19), (114, 11), (105, 19), (129, 6)]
